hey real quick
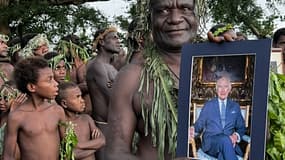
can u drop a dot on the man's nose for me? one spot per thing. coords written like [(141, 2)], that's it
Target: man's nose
[(174, 17)]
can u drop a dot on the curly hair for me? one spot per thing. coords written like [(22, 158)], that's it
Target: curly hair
[(62, 87), (27, 71)]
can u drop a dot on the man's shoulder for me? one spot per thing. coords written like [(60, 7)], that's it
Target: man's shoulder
[(234, 103)]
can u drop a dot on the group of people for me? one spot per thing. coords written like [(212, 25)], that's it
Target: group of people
[(131, 106)]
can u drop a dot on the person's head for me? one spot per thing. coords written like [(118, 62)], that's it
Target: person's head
[(57, 64), (37, 46), (33, 76), (7, 94), (279, 39), (3, 45), (173, 23), (70, 97), (107, 39), (223, 87)]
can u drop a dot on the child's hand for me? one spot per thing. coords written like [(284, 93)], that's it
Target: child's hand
[(21, 98), (96, 133)]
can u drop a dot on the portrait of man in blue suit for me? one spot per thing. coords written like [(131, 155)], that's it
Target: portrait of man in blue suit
[(221, 124)]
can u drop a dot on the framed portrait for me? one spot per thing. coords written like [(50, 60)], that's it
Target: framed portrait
[(276, 61), (247, 63)]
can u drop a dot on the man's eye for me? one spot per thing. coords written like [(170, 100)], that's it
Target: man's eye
[(186, 9), (163, 11)]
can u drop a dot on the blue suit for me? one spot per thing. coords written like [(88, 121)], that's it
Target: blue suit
[(215, 138)]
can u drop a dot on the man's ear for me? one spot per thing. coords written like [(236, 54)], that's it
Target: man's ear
[(101, 41), (63, 103), (31, 87)]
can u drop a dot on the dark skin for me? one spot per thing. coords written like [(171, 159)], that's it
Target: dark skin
[(34, 124), (173, 24), (90, 138), (100, 76), (81, 81)]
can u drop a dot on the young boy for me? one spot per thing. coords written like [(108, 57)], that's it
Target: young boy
[(90, 138), (34, 125)]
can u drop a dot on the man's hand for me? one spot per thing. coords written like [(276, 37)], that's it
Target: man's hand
[(229, 36), (191, 132), (234, 139)]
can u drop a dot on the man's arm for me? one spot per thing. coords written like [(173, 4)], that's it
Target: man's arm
[(62, 120), (121, 117), (200, 122), (11, 136), (240, 124)]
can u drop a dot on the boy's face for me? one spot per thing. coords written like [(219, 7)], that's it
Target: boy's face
[(73, 100), (46, 86), (60, 71), (4, 103)]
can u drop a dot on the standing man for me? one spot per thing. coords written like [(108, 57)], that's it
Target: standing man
[(221, 123), (144, 97), (100, 76)]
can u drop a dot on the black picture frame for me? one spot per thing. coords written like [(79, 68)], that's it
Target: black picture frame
[(261, 50)]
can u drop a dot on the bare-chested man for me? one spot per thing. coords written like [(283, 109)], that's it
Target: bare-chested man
[(144, 107), (100, 76), (34, 125)]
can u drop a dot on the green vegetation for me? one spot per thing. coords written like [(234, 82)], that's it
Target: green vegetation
[(275, 147)]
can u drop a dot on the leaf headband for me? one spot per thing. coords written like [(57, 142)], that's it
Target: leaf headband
[(34, 43), (102, 35), (4, 38), (223, 30)]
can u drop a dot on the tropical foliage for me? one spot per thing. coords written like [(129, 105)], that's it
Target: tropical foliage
[(275, 148), (23, 17)]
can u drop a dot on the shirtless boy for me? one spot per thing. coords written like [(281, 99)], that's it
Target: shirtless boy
[(34, 124), (90, 138)]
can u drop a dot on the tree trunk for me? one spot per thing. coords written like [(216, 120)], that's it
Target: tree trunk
[(4, 3)]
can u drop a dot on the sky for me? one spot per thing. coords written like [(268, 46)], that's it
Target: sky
[(113, 8)]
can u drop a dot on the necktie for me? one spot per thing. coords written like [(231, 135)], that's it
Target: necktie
[(223, 113)]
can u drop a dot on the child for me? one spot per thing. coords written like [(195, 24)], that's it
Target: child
[(90, 138), (34, 124), (9, 99)]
